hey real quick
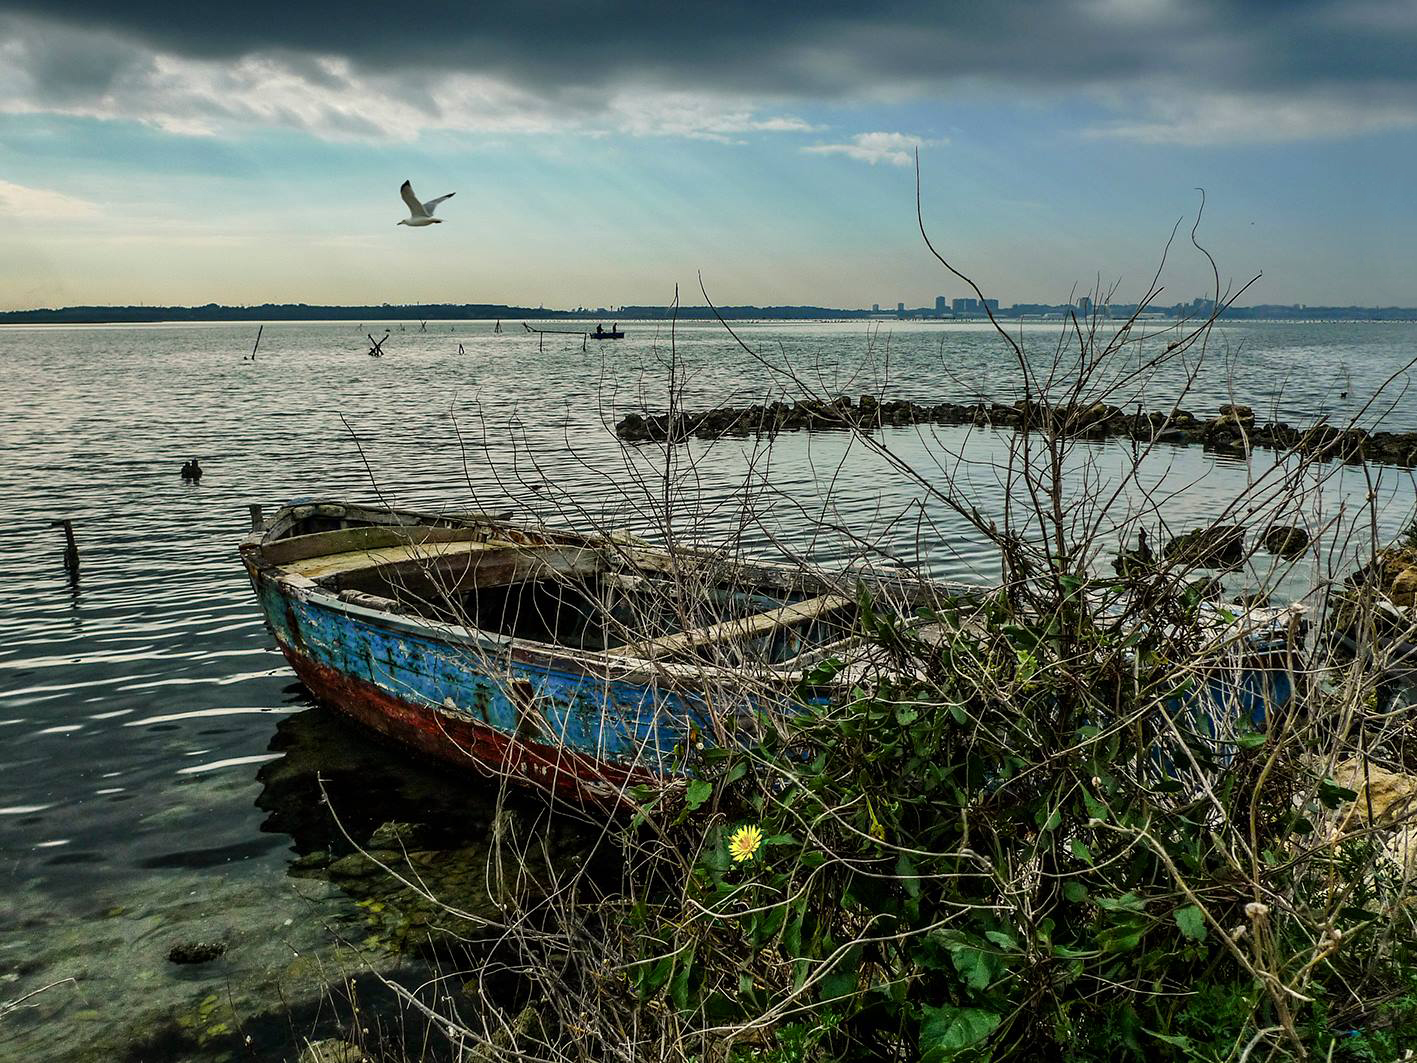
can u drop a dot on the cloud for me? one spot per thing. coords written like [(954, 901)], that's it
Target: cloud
[(43, 70), (1220, 118), (1167, 70), (898, 149), (20, 201)]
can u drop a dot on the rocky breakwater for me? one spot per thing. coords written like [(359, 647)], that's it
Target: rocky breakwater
[(1233, 431)]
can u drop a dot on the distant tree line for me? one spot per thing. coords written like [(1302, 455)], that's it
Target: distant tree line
[(492, 311)]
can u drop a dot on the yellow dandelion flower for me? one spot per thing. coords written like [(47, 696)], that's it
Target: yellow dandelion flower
[(744, 843)]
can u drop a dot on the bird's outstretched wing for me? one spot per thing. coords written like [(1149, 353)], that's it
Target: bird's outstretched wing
[(414, 207), (432, 204)]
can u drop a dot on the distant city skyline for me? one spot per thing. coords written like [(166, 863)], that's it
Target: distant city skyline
[(964, 309), (180, 154)]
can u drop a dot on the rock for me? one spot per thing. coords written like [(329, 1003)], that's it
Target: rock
[(1219, 546), (1394, 571), (354, 866), (504, 1038), (1286, 541), (1242, 414), (632, 429), (1393, 795), (196, 951), (332, 1050), (1404, 587), (316, 861), (393, 835)]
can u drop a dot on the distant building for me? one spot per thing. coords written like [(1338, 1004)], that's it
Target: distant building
[(992, 304), (966, 306), (875, 308), (1085, 306), (941, 305), (900, 309)]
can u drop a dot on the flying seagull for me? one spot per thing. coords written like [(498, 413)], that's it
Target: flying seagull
[(421, 213)]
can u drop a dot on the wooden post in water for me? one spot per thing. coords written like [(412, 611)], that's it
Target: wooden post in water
[(257, 519), (71, 545)]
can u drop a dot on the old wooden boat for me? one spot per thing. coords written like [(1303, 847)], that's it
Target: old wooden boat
[(580, 664), (588, 664), (614, 334)]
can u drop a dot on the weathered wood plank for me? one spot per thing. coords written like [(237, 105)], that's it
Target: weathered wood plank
[(746, 627), (372, 537)]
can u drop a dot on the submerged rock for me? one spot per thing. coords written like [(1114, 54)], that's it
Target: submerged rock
[(1219, 546), (332, 1050), (1286, 541), (316, 861), (196, 951), (393, 835)]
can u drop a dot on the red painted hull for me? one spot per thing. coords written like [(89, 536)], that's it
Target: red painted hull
[(467, 744)]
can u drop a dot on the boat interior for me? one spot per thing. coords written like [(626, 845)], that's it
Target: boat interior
[(601, 595)]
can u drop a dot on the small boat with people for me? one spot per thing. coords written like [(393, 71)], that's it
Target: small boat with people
[(614, 333), (588, 663)]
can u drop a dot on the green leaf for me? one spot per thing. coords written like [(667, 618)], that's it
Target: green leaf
[(1074, 891), (1080, 850), (1333, 795), (699, 791), (1123, 937), (655, 975), (736, 772), (1252, 740), (905, 871), (679, 984), (839, 984), (973, 961), (1127, 902), (1183, 1043), (824, 672), (948, 1031), (1191, 922)]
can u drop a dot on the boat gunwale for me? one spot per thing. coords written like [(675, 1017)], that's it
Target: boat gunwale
[(606, 665)]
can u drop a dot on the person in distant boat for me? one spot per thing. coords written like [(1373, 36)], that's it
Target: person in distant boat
[(600, 330), (192, 470)]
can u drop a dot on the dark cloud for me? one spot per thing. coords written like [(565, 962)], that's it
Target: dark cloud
[(1162, 70), (793, 50)]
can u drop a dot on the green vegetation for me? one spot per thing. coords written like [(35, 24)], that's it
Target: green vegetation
[(1037, 849)]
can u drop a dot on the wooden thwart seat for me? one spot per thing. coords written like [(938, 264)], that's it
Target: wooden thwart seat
[(746, 627)]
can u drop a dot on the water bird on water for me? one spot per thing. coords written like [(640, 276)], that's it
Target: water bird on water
[(191, 470), (420, 213), (71, 545)]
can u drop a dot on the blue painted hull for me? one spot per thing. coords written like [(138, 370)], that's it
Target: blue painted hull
[(519, 715)]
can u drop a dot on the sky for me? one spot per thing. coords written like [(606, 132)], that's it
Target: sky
[(603, 153)]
